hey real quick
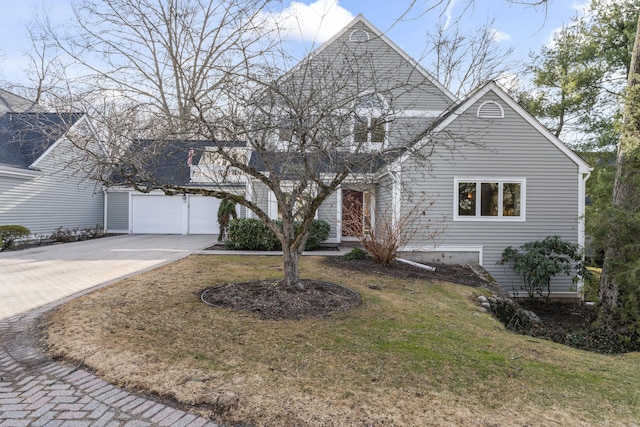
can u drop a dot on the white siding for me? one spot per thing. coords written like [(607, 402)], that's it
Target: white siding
[(60, 197)]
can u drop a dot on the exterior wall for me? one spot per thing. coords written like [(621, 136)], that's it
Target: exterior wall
[(117, 211), (384, 200), (500, 148), (409, 87), (328, 212), (61, 196)]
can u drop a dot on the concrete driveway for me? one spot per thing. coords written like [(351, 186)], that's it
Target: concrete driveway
[(33, 277)]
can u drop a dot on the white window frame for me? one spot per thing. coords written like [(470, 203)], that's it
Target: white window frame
[(501, 181)]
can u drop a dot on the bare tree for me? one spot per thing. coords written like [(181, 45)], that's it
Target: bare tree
[(463, 61), (194, 97), (385, 234)]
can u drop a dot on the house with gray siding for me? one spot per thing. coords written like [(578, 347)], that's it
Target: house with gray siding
[(481, 170), (42, 182)]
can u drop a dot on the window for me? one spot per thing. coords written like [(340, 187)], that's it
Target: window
[(369, 129), (369, 125), (489, 199)]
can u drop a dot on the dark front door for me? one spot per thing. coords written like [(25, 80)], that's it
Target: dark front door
[(351, 213)]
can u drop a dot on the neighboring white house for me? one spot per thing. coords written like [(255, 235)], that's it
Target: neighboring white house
[(496, 176), (42, 185)]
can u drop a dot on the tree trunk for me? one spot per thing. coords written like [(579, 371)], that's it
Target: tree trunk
[(626, 197), (291, 266)]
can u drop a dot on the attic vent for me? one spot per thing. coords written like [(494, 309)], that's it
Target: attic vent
[(490, 110), (359, 36)]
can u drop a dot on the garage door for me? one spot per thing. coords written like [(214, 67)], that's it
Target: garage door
[(156, 214), (203, 215), (160, 214)]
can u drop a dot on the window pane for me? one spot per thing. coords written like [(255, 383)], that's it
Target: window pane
[(377, 130), (489, 199), (511, 199), (361, 129), (467, 199)]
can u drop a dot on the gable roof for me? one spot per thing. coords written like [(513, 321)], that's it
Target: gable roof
[(26, 136), (360, 19), (491, 86), (10, 102)]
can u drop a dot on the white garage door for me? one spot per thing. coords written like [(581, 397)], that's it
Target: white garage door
[(160, 214), (203, 215), (156, 214)]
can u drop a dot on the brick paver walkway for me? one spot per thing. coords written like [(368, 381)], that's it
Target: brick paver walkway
[(36, 391)]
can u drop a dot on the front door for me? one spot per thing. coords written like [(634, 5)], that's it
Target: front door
[(352, 218)]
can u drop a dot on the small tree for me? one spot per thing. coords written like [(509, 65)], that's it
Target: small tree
[(386, 237), (226, 212), (538, 261)]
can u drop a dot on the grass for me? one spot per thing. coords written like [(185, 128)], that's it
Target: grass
[(415, 353)]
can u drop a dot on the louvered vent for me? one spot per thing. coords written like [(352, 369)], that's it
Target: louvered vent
[(359, 36), (490, 110)]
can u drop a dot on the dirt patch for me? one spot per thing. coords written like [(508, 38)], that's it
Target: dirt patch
[(562, 317), (272, 300)]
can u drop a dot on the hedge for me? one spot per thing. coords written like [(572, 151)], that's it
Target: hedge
[(253, 234), (10, 233)]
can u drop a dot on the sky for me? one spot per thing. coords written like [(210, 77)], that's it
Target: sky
[(524, 28)]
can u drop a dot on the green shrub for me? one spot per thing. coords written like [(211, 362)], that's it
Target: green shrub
[(355, 254), (537, 262), (250, 234), (10, 233), (253, 234), (318, 233)]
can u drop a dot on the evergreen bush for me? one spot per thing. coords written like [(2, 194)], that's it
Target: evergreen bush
[(10, 233), (253, 234)]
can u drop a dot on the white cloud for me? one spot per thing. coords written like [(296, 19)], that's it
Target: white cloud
[(499, 36), (448, 13), (315, 22)]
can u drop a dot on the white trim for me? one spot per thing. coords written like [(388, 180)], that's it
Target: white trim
[(12, 172), (489, 116), (105, 209), (483, 179), (415, 113), (396, 197), (272, 205), (524, 294), (582, 184), (339, 214), (248, 191), (445, 248)]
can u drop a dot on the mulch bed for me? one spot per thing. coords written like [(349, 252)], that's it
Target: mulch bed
[(461, 274), (272, 300)]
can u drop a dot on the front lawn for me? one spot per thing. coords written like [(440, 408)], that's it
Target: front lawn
[(416, 352)]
